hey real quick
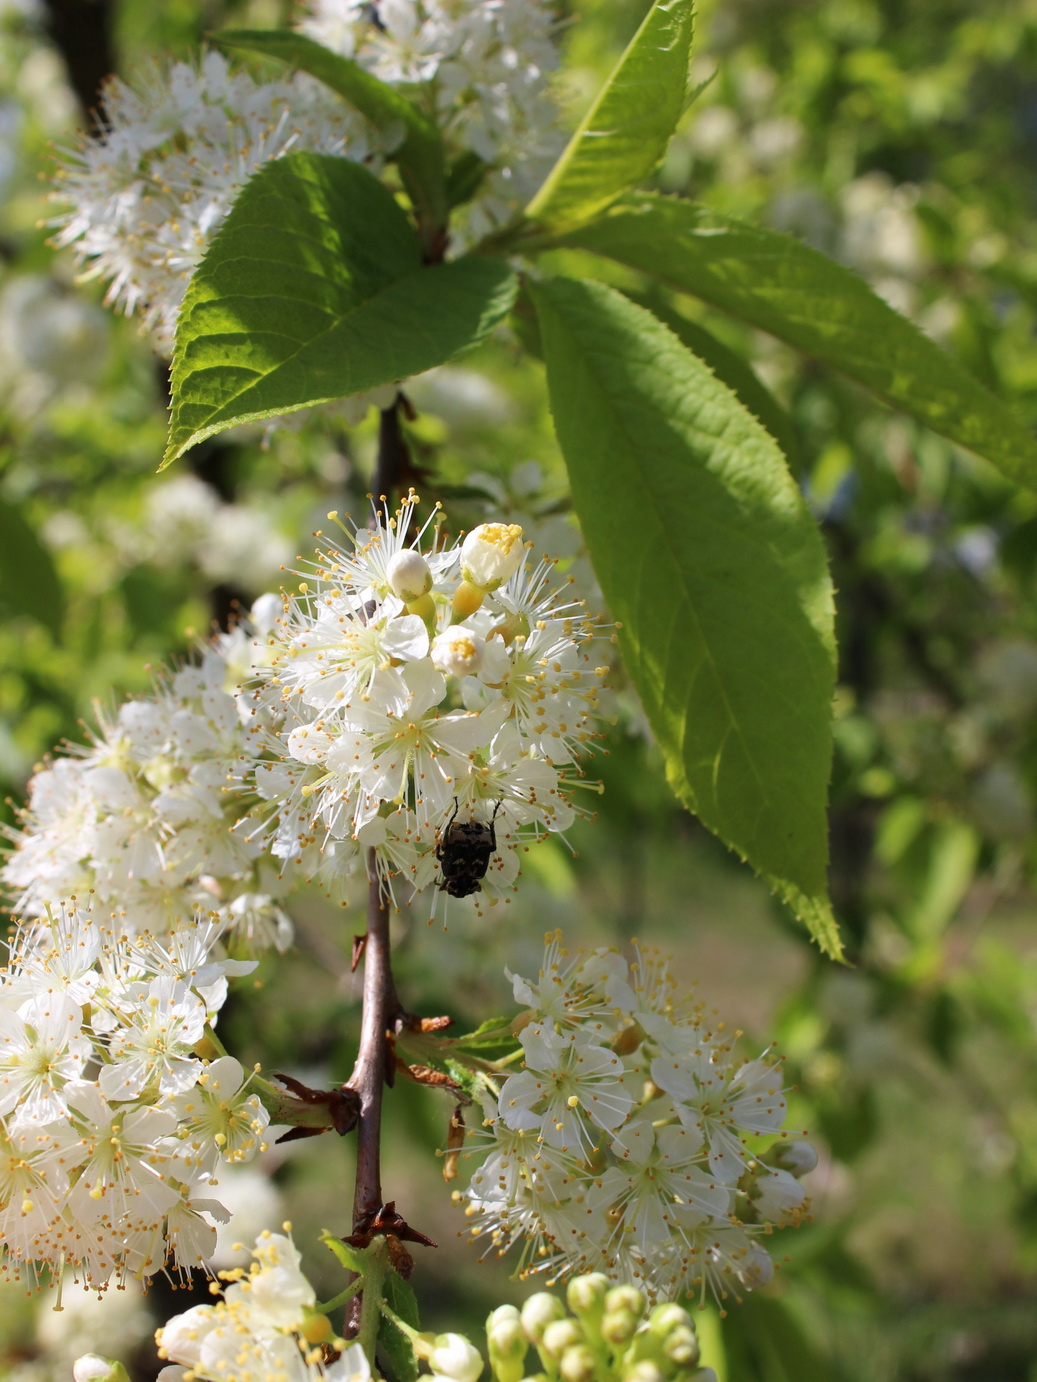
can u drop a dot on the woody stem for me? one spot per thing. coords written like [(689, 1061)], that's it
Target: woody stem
[(371, 1068)]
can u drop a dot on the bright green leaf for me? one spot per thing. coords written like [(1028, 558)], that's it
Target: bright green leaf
[(708, 556), (313, 289), (731, 369), (420, 154), (399, 1303), (782, 286), (395, 1344), (625, 133), (29, 583), (349, 1259), (400, 1297)]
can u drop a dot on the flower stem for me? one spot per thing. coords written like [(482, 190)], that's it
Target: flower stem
[(376, 1268)]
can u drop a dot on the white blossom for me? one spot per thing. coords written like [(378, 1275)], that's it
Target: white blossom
[(148, 194), (253, 1333), (482, 71), (598, 1165), (111, 1123), (147, 820), (379, 721)]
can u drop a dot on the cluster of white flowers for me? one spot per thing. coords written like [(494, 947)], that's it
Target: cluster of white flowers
[(112, 1127), (482, 70), (627, 1144), (144, 822), (434, 707), (146, 196), (264, 1328)]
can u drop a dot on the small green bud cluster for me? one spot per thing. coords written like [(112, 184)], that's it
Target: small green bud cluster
[(608, 1334)]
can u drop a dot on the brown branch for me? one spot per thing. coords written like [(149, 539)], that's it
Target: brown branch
[(393, 456), (372, 1063)]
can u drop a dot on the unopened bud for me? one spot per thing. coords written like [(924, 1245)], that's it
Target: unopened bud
[(681, 1346), (452, 1356), (644, 1371), (491, 554), (798, 1158), (586, 1296), (626, 1298), (560, 1335), (91, 1367), (538, 1312), (704, 1375), (458, 652), (618, 1327), (507, 1344), (578, 1364), (409, 575), (665, 1316)]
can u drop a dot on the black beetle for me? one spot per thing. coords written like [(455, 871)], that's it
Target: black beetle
[(464, 853)]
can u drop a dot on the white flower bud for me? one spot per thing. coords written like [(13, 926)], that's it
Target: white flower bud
[(667, 1316), (704, 1375), (644, 1371), (626, 1298), (578, 1364), (681, 1346), (618, 1327), (798, 1158), (586, 1294), (491, 554), (560, 1335), (91, 1367), (455, 1358), (458, 652), (409, 575), (538, 1312), (507, 1344)]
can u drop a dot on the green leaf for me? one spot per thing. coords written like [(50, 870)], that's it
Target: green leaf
[(398, 1349), (491, 1040), (707, 554), (731, 369), (401, 1299), (29, 583), (420, 154), (782, 286), (464, 178), (625, 133), (313, 289), (350, 1259), (394, 1341)]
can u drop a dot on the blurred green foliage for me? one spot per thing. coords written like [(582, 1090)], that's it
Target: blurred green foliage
[(902, 139)]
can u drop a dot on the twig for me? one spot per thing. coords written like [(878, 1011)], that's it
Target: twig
[(372, 1063), (393, 457)]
